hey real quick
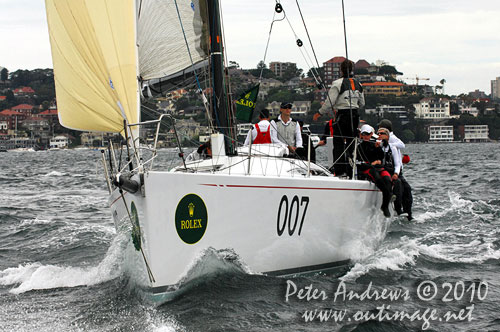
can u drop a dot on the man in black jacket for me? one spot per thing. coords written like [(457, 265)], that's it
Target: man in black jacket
[(370, 157)]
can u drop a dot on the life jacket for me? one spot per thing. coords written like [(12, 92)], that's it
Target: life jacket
[(286, 133), (388, 162), (350, 84), (330, 125), (262, 137)]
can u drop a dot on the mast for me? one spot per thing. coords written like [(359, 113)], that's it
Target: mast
[(221, 108)]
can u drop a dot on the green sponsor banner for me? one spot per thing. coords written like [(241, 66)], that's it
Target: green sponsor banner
[(246, 104)]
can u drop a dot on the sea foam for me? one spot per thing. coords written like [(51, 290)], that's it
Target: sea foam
[(31, 276)]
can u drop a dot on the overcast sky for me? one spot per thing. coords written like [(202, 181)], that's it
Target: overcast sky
[(455, 40)]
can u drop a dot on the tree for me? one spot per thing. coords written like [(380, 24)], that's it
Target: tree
[(4, 74), (443, 81), (315, 71), (407, 135), (261, 67), (233, 64), (291, 72), (388, 70)]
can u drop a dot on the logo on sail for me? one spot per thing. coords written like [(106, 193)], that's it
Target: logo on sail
[(191, 218), (136, 229)]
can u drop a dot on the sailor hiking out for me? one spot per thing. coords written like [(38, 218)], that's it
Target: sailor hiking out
[(370, 160)]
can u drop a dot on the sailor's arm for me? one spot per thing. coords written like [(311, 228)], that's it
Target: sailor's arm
[(329, 103)]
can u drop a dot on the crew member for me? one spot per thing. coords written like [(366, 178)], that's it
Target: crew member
[(402, 188), (345, 96), (327, 132), (261, 132), (204, 151), (370, 158), (287, 129)]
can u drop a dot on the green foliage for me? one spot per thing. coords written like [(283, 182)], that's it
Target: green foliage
[(290, 72), (407, 135), (4, 74), (266, 73), (388, 70), (316, 71), (361, 71)]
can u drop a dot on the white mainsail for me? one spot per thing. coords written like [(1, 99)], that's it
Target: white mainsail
[(102, 48), (160, 36)]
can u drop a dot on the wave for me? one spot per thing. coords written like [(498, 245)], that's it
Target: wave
[(34, 276), (386, 259), (477, 251), (457, 203), (55, 173), (474, 252)]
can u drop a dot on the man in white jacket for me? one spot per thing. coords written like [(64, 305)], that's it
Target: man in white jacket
[(402, 189)]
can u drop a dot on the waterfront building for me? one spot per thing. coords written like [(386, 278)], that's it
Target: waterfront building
[(59, 142), (433, 109), (476, 133), (440, 134), (399, 111)]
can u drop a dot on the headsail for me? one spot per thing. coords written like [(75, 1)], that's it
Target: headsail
[(95, 62)]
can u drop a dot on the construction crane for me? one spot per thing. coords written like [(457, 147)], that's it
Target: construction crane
[(417, 78)]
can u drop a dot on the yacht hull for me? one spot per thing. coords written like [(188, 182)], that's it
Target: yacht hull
[(276, 225)]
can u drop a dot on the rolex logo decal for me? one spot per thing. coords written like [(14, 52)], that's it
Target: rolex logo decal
[(191, 209), (191, 218)]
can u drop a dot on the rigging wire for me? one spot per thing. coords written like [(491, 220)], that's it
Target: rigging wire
[(205, 102)]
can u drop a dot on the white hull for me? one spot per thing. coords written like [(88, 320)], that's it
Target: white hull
[(244, 214)]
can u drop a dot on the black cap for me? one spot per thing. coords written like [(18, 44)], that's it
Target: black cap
[(264, 113), (384, 123), (286, 105)]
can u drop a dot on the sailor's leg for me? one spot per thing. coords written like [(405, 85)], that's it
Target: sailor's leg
[(407, 197), (398, 191)]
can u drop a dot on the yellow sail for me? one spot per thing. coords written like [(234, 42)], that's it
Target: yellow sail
[(95, 62)]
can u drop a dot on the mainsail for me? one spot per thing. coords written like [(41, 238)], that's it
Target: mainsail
[(103, 49)]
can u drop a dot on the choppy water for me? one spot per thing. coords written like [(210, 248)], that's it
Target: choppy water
[(61, 259)]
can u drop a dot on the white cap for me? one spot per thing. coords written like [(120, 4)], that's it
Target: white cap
[(366, 129)]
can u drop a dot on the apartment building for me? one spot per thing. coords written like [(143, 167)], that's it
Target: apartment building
[(279, 68), (476, 133), (433, 109), (440, 134), (383, 88)]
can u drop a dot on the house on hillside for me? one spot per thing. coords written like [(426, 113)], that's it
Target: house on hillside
[(24, 91), (433, 109), (383, 88), (24, 109)]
